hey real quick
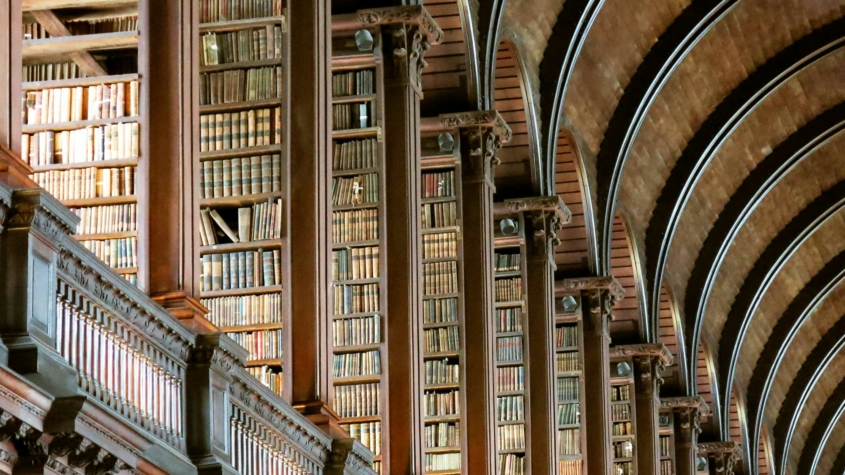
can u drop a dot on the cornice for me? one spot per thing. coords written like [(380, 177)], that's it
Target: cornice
[(657, 350), (690, 402), (479, 119), (579, 284), (416, 14)]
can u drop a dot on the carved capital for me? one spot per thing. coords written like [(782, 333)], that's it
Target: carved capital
[(219, 351), (483, 133), (657, 351), (404, 15), (614, 290), (546, 216), (724, 456), (35, 209)]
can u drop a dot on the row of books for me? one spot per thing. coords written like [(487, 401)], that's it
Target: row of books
[(507, 262), (269, 377), (357, 400), (251, 44), (233, 130), (440, 245), (364, 363), (623, 449), (569, 467), (244, 309), (241, 176), (368, 433), (241, 270), (620, 393), (442, 372), (259, 222), (226, 10), (568, 361), (510, 378), (89, 144), (262, 345), (352, 116), (623, 468), (440, 310), (442, 403), (509, 348), (439, 215), (567, 389), (442, 462), (355, 190), (666, 467), (443, 339), (509, 319), (355, 225), (510, 408), (569, 413), (510, 437), (65, 104), (354, 154), (239, 85), (355, 263), (34, 31), (442, 434), (51, 71), (569, 441), (511, 464), (509, 290), (438, 184), (355, 298), (83, 183), (620, 412), (106, 219), (622, 428), (566, 336), (118, 253), (440, 278), (665, 446), (353, 83), (356, 331)]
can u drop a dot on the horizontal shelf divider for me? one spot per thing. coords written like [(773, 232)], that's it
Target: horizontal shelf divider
[(260, 63), (251, 327), (121, 162), (239, 201), (239, 292), (69, 44), (241, 246), (241, 152), (76, 124), (234, 25), (79, 82)]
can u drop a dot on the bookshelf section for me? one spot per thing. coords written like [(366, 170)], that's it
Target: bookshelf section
[(510, 312), (243, 165), (569, 383), (358, 235), (444, 402), (623, 417), (666, 424), (81, 124)]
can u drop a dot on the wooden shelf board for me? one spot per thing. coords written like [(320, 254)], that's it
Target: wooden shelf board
[(442, 229), (439, 259), (439, 199), (568, 426), (375, 280), (438, 161), (440, 325), (355, 98), (78, 82), (31, 5), (510, 273), (445, 386), (251, 328), (265, 362), (240, 246), (103, 236), (512, 303), (347, 244), (69, 44), (239, 201), (356, 171), (241, 152), (443, 472), (509, 393), (566, 348), (239, 106), (123, 162), (237, 292), (506, 334), (126, 270), (347, 316), (353, 61), (567, 401), (352, 207), (442, 450), (620, 402), (111, 200), (447, 418), (359, 420), (569, 457), (370, 378), (233, 25), (77, 124), (440, 355), (622, 459), (441, 296), (261, 63), (568, 373), (622, 438), (356, 348), (512, 451), (356, 133), (568, 318), (503, 364)]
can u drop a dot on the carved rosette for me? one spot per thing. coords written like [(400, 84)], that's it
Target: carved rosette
[(724, 456)]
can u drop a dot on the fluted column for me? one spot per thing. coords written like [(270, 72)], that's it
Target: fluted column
[(599, 295), (722, 457), (687, 414)]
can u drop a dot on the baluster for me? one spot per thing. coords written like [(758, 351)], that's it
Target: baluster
[(61, 310)]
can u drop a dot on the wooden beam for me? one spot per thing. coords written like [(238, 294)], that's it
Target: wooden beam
[(57, 29), (821, 431), (33, 5)]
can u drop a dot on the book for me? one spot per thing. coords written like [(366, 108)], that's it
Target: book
[(222, 225)]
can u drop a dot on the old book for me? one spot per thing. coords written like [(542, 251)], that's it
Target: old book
[(245, 224), (223, 226)]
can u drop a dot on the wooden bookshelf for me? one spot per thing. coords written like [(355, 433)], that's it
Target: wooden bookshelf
[(83, 124), (666, 423), (623, 416), (443, 306), (243, 108), (359, 273), (511, 316), (569, 378)]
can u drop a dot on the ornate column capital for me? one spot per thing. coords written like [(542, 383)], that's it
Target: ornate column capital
[(482, 136), (650, 359), (688, 412), (602, 293), (545, 216), (34, 208), (723, 456)]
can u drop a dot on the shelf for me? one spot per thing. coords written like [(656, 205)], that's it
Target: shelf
[(347, 244), (566, 348), (622, 459), (239, 201), (355, 315), (441, 296), (512, 451), (439, 199), (512, 303), (442, 450), (356, 281), (241, 246), (568, 426), (510, 363), (266, 362), (443, 472), (440, 355), (239, 106), (359, 420), (370, 378), (233, 25), (620, 402), (622, 438), (104, 236), (351, 207), (356, 98), (111, 200), (126, 270), (440, 325), (440, 387), (447, 418), (356, 171), (568, 373), (261, 63), (567, 401), (568, 318), (510, 423), (571, 457), (123, 162), (509, 393), (238, 292), (77, 124), (251, 328), (241, 152), (443, 229), (71, 44), (439, 259), (510, 273), (356, 348), (506, 334), (356, 133), (78, 82)]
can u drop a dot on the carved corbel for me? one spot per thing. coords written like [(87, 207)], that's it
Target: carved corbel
[(546, 215), (650, 360), (482, 136), (688, 412), (32, 448)]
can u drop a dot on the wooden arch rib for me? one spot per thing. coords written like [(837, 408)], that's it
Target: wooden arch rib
[(715, 131), (657, 66), (737, 428), (490, 15), (839, 463), (812, 369), (706, 386), (671, 334), (742, 204), (568, 36), (755, 286), (822, 428)]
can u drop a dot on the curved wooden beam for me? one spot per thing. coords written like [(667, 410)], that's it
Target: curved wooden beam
[(839, 463), (820, 433), (490, 15), (715, 130), (809, 374), (764, 272), (744, 201), (657, 66)]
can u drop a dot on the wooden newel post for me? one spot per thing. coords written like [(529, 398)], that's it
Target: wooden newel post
[(722, 457), (688, 412), (599, 295)]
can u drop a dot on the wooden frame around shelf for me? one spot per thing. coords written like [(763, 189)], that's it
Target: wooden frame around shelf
[(666, 424), (617, 381)]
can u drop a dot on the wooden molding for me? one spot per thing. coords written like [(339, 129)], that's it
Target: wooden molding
[(579, 284), (479, 119), (549, 204), (415, 15), (655, 350), (695, 402)]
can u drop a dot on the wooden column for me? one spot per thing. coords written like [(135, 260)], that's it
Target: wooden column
[(482, 134), (599, 295), (11, 34), (688, 412), (722, 457), (649, 361), (544, 216)]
